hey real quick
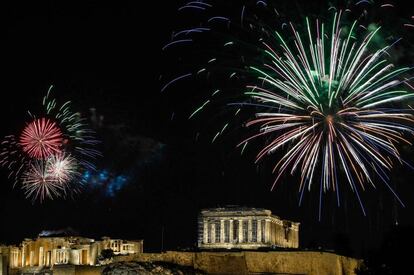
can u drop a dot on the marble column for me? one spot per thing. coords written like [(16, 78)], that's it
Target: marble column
[(241, 231), (259, 231), (23, 256), (249, 230), (31, 259), (41, 256), (222, 231), (231, 232), (205, 231), (267, 231), (213, 232), (54, 256), (271, 232)]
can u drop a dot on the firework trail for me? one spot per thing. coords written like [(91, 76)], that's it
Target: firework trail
[(326, 95), (12, 157), (78, 140)]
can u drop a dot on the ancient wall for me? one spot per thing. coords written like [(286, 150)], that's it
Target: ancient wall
[(305, 262), (3, 266), (219, 262), (77, 270), (301, 262), (180, 258), (284, 235), (4, 259)]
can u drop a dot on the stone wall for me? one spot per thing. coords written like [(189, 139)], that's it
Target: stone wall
[(275, 262), (3, 266), (77, 270), (4, 259), (180, 258), (300, 262)]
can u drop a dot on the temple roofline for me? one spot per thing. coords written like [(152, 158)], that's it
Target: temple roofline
[(233, 211)]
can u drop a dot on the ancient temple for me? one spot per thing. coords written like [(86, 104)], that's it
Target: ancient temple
[(245, 228), (46, 251)]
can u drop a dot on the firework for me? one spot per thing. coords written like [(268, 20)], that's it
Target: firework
[(334, 103), (79, 141), (38, 183), (51, 153), (12, 157), (41, 138), (326, 96), (63, 168), (51, 177)]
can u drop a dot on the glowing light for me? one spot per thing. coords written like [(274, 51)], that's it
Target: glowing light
[(51, 153), (345, 86), (41, 138), (38, 183), (326, 97), (63, 168), (107, 183)]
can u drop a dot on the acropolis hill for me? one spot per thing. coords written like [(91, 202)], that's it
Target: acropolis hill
[(231, 240)]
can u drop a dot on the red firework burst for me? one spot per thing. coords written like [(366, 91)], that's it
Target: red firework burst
[(41, 138)]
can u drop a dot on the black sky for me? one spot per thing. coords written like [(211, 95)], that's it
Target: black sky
[(108, 56)]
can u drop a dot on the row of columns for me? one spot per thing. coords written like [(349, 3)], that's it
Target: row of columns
[(62, 257), (14, 259), (209, 231), (43, 258)]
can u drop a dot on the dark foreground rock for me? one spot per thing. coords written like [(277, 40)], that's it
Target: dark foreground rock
[(147, 268)]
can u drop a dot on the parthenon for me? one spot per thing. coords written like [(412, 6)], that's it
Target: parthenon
[(245, 228)]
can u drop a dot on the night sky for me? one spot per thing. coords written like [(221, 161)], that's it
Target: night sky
[(154, 176)]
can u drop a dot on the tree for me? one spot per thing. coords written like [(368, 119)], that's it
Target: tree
[(106, 254)]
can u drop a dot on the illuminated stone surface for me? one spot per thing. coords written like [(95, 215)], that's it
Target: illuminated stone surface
[(245, 228), (47, 251)]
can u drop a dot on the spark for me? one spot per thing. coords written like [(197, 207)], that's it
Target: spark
[(175, 80), (176, 42)]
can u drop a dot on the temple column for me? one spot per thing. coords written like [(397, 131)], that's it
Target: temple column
[(213, 232), (31, 259), (41, 256), (231, 232), (205, 231), (23, 256), (259, 231), (222, 231), (249, 230), (16, 259), (267, 231), (271, 233), (54, 257), (241, 231)]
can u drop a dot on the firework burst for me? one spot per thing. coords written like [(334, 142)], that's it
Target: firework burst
[(63, 168), (38, 183), (51, 153), (12, 157), (41, 138), (79, 141), (336, 107), (326, 96)]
